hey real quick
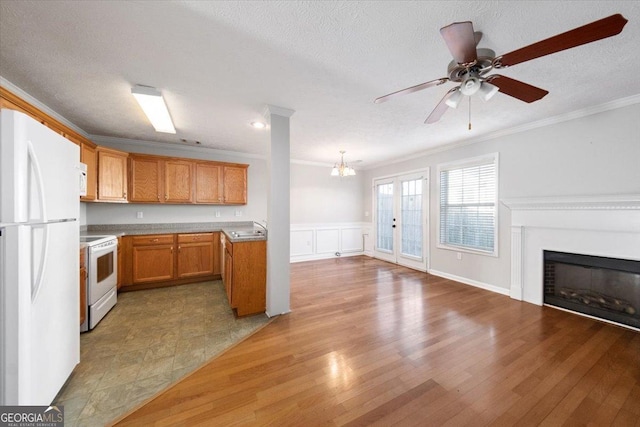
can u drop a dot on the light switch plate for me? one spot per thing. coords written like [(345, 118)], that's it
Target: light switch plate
[(139, 215)]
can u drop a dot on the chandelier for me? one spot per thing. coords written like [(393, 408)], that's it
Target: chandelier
[(342, 169)]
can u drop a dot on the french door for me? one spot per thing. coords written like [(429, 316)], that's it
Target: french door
[(401, 219)]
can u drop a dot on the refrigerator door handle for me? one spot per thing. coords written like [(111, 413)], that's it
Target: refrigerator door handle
[(35, 284), (37, 171), (44, 252)]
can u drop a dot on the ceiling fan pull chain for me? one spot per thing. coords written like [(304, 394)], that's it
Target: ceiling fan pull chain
[(469, 113)]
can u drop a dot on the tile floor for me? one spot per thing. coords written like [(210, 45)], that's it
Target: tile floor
[(149, 340)]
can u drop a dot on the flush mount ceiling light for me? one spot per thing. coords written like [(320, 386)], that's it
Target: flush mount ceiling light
[(258, 125), (342, 169), (153, 105)]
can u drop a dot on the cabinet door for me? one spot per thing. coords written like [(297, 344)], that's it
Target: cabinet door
[(112, 176), (195, 259), (145, 179), (208, 183), (152, 263), (235, 185), (178, 177), (228, 276), (88, 157)]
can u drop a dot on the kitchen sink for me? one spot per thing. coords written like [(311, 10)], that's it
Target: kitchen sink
[(247, 233)]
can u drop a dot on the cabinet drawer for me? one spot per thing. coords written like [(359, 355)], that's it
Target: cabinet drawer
[(195, 237), (153, 239)]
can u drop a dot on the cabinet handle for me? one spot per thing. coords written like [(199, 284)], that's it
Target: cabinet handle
[(154, 240), (179, 248), (124, 195), (166, 197), (158, 197), (196, 238), (171, 249)]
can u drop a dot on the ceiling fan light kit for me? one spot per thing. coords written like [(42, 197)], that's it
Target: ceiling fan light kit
[(471, 64)]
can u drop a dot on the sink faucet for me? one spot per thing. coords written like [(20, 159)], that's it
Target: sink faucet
[(263, 226)]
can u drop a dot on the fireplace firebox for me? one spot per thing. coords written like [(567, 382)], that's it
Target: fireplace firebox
[(606, 288)]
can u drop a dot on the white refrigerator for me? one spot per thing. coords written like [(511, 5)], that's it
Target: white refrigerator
[(39, 260)]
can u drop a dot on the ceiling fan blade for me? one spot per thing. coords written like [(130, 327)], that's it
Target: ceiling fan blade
[(477, 36), (520, 90), (461, 41), (412, 89), (440, 108), (592, 32)]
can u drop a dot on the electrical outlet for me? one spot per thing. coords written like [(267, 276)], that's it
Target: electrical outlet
[(217, 214), (459, 255), (238, 212), (139, 215)]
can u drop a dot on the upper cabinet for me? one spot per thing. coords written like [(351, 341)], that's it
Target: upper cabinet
[(160, 180), (112, 175), (235, 184), (89, 157), (209, 186), (156, 179), (178, 181)]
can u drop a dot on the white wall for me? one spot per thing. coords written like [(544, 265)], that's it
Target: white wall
[(125, 213), (317, 197), (596, 154)]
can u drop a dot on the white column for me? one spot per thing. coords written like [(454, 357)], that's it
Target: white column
[(278, 280)]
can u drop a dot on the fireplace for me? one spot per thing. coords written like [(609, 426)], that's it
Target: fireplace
[(607, 288), (600, 227)]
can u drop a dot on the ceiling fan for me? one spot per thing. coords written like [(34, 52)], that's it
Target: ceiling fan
[(470, 64)]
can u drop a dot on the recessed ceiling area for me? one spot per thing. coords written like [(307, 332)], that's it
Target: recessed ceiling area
[(219, 63)]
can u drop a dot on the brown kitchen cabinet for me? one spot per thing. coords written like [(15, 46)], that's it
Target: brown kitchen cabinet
[(245, 275), (83, 285), (152, 258), (209, 185), (155, 179), (145, 179), (112, 175), (150, 261), (234, 184), (89, 157), (195, 254)]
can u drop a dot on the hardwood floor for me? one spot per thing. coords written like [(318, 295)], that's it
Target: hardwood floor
[(371, 343)]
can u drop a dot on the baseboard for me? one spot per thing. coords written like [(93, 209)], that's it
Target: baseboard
[(471, 282), (316, 257)]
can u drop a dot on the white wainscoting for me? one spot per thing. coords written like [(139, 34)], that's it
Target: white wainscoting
[(322, 241)]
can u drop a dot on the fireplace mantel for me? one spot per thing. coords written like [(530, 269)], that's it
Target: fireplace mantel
[(606, 202), (607, 226)]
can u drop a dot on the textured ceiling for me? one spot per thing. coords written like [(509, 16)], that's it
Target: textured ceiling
[(219, 63)]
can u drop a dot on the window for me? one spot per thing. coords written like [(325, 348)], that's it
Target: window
[(468, 205)]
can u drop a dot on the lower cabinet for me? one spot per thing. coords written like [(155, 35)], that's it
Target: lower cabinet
[(152, 258), (245, 275), (195, 255), (168, 259)]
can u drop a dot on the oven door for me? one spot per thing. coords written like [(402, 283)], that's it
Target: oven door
[(103, 270)]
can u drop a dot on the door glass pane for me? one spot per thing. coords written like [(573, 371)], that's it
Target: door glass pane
[(411, 211), (384, 215)]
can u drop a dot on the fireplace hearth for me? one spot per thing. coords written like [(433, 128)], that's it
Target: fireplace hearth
[(607, 288)]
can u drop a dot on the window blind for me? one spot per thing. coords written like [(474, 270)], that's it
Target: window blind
[(468, 205)]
